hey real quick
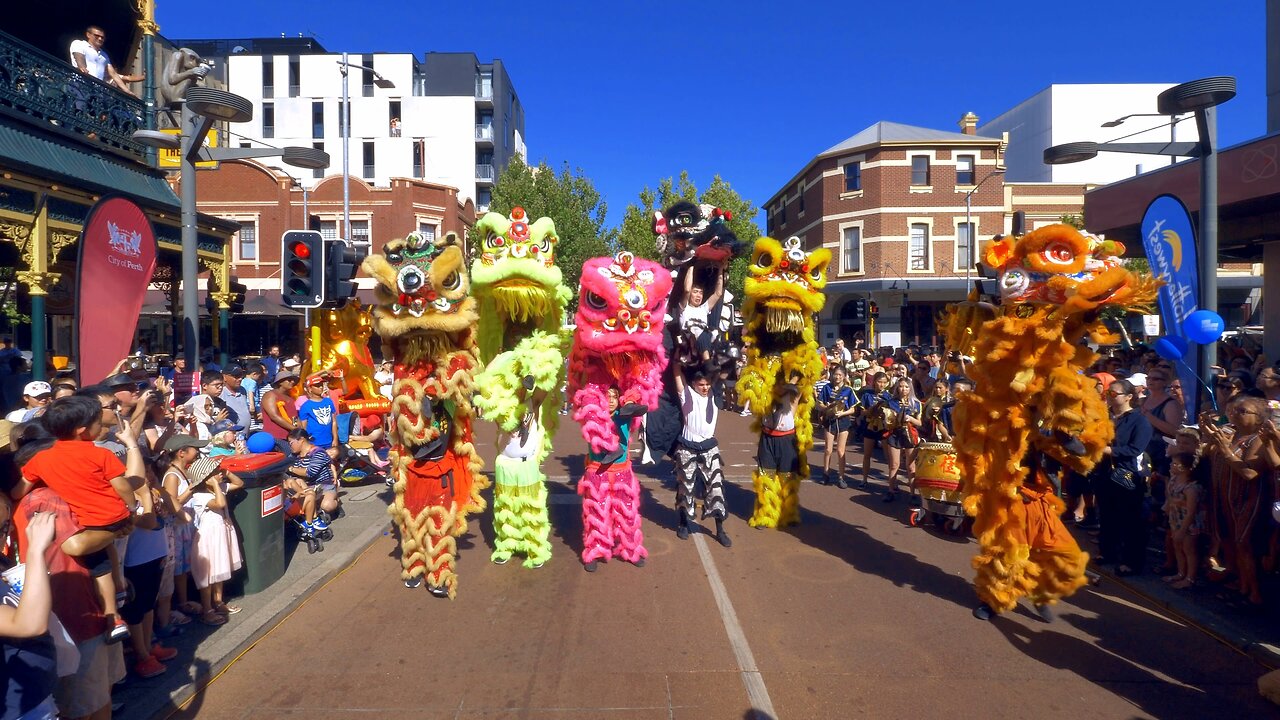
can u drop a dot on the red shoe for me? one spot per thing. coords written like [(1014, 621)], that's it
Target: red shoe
[(149, 667), (162, 653)]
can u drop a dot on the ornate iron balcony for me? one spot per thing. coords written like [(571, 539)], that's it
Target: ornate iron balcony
[(43, 89)]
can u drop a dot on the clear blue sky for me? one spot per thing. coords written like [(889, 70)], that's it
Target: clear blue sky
[(636, 91)]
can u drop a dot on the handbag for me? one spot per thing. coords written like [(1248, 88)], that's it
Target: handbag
[(1124, 477)]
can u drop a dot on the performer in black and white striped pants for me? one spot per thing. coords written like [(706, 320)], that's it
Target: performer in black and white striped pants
[(697, 454)]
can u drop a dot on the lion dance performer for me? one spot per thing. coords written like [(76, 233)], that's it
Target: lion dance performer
[(697, 245), (783, 293), (615, 375), (521, 297), (426, 319), (1033, 409)]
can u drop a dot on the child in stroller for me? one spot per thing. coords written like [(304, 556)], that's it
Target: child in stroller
[(309, 478)]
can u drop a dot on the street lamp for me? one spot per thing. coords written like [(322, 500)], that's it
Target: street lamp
[(201, 109), (1201, 98), (968, 227), (1173, 126), (344, 66)]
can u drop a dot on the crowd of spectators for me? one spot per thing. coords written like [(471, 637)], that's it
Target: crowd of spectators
[(115, 515)]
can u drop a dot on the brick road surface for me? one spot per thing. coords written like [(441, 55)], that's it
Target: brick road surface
[(852, 614)]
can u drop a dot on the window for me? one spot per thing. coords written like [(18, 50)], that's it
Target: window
[(484, 84), (317, 119), (427, 230), (366, 72), (851, 250), (393, 117), (268, 76), (800, 197), (318, 172), (247, 241), (782, 211), (368, 160), (918, 250), (268, 120), (419, 150), (484, 197), (919, 169), (295, 76), (964, 240), (329, 229), (964, 169), (360, 232), (852, 176)]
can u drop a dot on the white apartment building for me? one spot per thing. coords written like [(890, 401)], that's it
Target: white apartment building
[(1083, 112), (447, 118)]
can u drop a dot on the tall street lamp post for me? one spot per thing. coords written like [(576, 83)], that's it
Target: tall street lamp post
[(968, 228), (344, 66), (201, 109), (1201, 98)]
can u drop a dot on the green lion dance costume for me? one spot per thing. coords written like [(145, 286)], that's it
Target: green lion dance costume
[(783, 293), (521, 299)]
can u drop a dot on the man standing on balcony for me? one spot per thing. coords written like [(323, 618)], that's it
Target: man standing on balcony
[(89, 57)]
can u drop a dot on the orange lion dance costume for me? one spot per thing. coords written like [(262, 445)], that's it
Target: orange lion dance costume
[(427, 322), (1032, 402)]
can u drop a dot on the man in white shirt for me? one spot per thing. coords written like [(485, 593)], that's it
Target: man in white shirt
[(35, 397), (89, 58)]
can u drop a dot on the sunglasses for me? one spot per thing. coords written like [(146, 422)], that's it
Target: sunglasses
[(112, 406)]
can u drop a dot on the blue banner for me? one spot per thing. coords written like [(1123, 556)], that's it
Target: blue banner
[(1169, 239)]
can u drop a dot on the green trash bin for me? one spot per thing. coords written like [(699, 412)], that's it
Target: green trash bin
[(259, 516)]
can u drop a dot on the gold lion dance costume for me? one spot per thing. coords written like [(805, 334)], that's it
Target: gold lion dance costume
[(426, 320), (521, 297), (615, 376), (783, 293), (1033, 407)]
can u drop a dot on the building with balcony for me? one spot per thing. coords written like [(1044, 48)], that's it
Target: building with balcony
[(896, 205), (446, 119), (66, 142)]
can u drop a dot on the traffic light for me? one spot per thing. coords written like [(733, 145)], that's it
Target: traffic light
[(860, 309), (873, 310), (342, 263), (238, 292), (302, 275)]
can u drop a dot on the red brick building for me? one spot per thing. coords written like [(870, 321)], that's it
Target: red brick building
[(267, 202), (896, 205)]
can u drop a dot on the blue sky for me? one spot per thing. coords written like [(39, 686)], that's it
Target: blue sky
[(636, 91)]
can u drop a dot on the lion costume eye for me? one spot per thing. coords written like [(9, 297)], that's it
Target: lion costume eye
[(815, 274), (494, 240), (595, 302), (544, 246), (1014, 282), (453, 281), (1059, 254), (765, 260), (395, 257)]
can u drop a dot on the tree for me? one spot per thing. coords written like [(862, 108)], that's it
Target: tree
[(636, 232), (569, 198)]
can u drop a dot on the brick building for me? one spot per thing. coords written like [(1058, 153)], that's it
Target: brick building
[(266, 202), (897, 205)]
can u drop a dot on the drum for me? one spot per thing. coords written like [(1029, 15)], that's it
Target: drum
[(938, 479)]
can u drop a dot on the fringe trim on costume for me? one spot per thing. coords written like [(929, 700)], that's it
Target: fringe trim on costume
[(520, 521)]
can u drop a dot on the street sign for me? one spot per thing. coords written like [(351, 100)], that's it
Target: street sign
[(1151, 325), (172, 158)]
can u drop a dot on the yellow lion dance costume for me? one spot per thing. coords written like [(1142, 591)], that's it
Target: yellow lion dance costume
[(783, 293), (427, 323), (1032, 401)]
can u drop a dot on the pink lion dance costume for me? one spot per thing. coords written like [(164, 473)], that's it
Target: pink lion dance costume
[(615, 376)]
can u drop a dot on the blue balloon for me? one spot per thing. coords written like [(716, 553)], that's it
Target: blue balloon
[(1203, 327), (1172, 348), (260, 442)]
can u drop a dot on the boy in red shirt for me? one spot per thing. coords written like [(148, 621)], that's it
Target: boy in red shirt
[(97, 487)]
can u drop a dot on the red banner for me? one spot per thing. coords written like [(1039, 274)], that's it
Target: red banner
[(117, 257)]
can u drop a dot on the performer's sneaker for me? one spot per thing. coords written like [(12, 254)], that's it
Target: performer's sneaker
[(682, 532), (639, 562), (722, 537), (984, 612), (1045, 612), (591, 566), (413, 582), (440, 592)]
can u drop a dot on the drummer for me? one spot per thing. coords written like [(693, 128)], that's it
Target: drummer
[(936, 429), (871, 424)]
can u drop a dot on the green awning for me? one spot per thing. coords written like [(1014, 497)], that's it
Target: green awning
[(69, 165)]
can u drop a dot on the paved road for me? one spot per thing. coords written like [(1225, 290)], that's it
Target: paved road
[(853, 614)]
